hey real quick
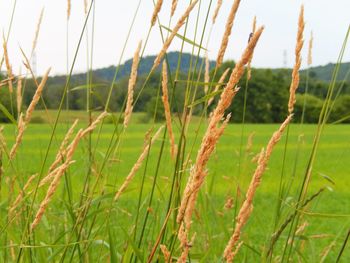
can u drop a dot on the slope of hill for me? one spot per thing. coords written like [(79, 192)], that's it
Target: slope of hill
[(325, 72), (145, 66), (322, 73)]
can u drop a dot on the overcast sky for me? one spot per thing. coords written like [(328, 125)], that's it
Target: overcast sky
[(328, 20)]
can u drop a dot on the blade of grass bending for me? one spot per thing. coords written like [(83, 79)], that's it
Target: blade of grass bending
[(277, 234), (87, 86), (341, 120), (7, 114), (338, 93), (189, 41), (112, 251), (204, 98)]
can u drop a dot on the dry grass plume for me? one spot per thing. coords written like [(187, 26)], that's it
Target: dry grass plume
[(35, 41), (24, 121), (167, 111), (8, 67), (69, 7), (156, 10), (166, 253), (227, 33), (173, 7), (131, 85), (247, 206), (295, 74), (309, 53), (216, 11), (21, 194), (249, 70)]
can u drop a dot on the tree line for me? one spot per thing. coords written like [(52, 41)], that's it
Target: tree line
[(267, 95)]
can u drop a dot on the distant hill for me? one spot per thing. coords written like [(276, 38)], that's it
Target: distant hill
[(325, 72), (145, 66), (322, 73)]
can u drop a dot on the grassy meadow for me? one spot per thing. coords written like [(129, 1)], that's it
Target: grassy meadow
[(226, 173)]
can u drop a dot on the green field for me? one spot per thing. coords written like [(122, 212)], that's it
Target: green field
[(328, 217)]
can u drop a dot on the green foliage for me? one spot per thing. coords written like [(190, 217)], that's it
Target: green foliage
[(267, 95), (324, 73), (8, 110), (155, 109), (37, 119), (341, 109), (313, 106)]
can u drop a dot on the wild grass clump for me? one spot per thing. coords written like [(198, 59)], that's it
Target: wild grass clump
[(91, 187)]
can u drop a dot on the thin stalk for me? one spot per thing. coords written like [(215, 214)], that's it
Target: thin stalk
[(243, 122), (343, 247), (305, 94)]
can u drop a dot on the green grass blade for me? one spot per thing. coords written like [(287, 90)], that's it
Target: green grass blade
[(185, 39), (7, 114)]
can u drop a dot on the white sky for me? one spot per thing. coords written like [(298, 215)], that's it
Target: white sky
[(327, 19)]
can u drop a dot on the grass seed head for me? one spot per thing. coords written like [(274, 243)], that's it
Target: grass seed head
[(227, 33), (173, 7), (156, 10), (131, 85), (295, 73), (216, 11)]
